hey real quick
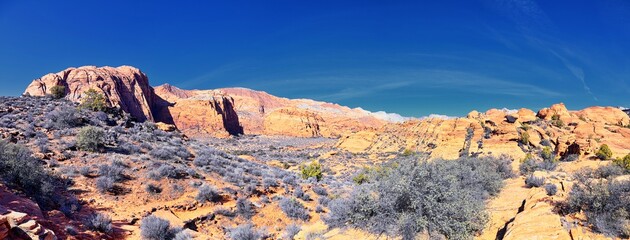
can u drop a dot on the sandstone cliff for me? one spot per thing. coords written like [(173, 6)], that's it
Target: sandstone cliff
[(499, 132), (125, 87), (219, 113)]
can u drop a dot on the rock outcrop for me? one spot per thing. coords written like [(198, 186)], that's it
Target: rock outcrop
[(255, 112), (500, 131), (18, 225), (219, 113), (124, 87)]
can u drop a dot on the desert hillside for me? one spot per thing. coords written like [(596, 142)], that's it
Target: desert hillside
[(97, 153)]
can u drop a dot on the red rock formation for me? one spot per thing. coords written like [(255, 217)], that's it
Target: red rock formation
[(125, 87)]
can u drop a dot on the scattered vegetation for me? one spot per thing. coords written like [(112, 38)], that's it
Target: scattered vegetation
[(100, 222), (90, 138), (623, 162), (556, 121), (294, 209), (439, 197), (604, 201), (524, 138), (533, 181), (312, 170), (208, 194), (18, 169), (155, 228), (604, 152), (58, 91), (246, 232), (551, 189), (93, 100)]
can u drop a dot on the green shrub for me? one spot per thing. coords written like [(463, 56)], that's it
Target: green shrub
[(312, 170), (90, 138), (604, 152), (58, 91), (360, 178), (407, 152), (93, 100), (546, 153), (623, 162), (524, 139), (555, 121)]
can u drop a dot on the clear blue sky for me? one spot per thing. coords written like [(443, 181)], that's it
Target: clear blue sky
[(413, 58)]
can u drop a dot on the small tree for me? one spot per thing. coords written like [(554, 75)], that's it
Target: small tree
[(623, 162), (90, 138), (546, 153), (93, 100), (604, 152), (524, 138), (555, 120), (58, 91), (312, 170)]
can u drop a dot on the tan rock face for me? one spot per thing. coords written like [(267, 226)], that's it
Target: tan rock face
[(125, 87), (258, 112), (494, 133)]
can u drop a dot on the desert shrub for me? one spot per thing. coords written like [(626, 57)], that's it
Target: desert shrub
[(299, 193), (245, 208), (546, 153), (93, 100), (58, 91), (168, 171), (312, 170), (533, 181), (289, 180), (360, 178), (90, 138), (20, 170), (269, 182), (555, 121), (153, 189), (246, 232), (551, 189), (155, 228), (113, 171), (62, 118), (571, 157), (224, 212), (70, 230), (183, 236), (42, 144), (208, 193), (604, 152), (530, 165), (319, 190), (524, 138), (323, 201), (294, 209), (445, 197), (605, 203), (105, 184), (100, 222), (291, 231), (624, 162)]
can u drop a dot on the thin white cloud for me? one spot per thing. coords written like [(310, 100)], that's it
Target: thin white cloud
[(355, 92), (578, 72), (475, 83)]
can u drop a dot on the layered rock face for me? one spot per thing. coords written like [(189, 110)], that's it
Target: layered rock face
[(218, 113), (125, 87), (261, 113), (500, 132)]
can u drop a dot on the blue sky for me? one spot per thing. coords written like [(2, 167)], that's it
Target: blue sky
[(409, 57)]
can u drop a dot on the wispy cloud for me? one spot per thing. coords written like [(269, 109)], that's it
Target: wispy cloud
[(476, 83), (354, 92), (213, 74), (578, 72)]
